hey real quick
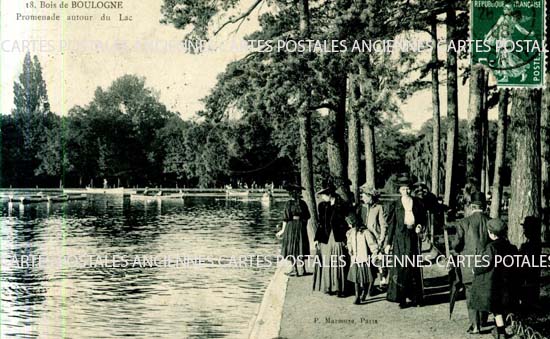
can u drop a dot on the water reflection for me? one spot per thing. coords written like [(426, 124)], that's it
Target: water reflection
[(144, 302)]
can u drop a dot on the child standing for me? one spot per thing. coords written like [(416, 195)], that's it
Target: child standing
[(494, 285), (360, 243)]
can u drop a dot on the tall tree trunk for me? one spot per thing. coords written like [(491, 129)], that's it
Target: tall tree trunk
[(545, 161), (335, 154), (306, 143), (336, 142), (368, 127), (436, 112), (306, 166), (474, 154), (496, 195), (486, 165), (452, 111), (485, 186), (370, 158), (354, 142), (525, 186)]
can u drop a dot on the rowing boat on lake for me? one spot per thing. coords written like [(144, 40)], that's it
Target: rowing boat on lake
[(117, 191), (142, 196), (237, 193), (66, 197)]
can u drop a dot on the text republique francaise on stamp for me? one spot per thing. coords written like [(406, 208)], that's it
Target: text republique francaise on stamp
[(514, 32)]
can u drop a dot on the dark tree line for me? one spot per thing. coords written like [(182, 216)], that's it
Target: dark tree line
[(125, 135)]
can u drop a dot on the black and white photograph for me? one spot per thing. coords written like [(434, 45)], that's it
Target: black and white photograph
[(274, 169)]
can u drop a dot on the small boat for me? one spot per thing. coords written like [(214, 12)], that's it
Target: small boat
[(237, 193), (119, 190), (65, 197), (142, 196)]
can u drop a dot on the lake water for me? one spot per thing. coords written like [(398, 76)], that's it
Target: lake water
[(141, 302)]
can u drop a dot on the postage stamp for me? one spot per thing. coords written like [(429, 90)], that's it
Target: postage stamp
[(509, 38)]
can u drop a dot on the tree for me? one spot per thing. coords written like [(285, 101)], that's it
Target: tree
[(452, 108), (11, 150), (354, 141), (53, 152), (328, 82), (306, 147), (30, 92), (369, 120), (390, 158), (525, 185), (116, 134), (172, 136), (475, 123), (379, 76), (496, 194), (322, 78), (418, 156), (31, 117), (436, 134), (207, 151)]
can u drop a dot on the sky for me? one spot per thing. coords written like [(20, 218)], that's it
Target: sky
[(97, 52)]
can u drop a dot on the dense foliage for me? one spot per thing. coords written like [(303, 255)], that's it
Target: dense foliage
[(125, 135)]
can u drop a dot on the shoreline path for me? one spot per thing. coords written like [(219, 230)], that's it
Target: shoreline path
[(290, 309)]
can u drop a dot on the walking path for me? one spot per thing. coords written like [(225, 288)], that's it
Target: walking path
[(308, 314)]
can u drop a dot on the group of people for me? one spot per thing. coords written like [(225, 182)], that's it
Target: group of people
[(350, 237), (497, 289)]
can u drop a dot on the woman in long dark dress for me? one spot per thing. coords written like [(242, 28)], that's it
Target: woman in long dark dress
[(295, 241), (330, 238), (405, 218)]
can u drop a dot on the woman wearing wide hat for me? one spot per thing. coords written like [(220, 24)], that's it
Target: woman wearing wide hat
[(405, 219), (295, 241), (330, 239)]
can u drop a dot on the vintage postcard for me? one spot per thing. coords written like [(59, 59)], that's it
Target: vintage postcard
[(274, 169)]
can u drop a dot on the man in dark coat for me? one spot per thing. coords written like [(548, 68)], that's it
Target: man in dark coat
[(433, 207), (405, 219), (494, 285), (471, 239)]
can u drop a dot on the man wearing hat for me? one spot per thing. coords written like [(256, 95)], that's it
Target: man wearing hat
[(494, 286), (470, 240), (372, 216), (405, 219)]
